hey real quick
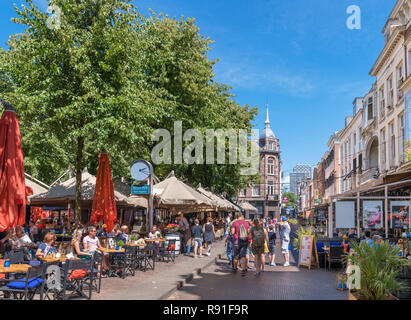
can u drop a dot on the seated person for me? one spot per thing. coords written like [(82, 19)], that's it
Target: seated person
[(5, 236), (141, 242), (91, 242), (377, 239), (367, 239), (124, 233), (115, 232), (77, 244), (46, 248), (20, 239), (154, 234)]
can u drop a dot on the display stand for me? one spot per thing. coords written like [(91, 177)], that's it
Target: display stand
[(308, 255)]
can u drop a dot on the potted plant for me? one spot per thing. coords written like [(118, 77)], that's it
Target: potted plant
[(133, 239), (120, 243), (300, 232), (379, 266)]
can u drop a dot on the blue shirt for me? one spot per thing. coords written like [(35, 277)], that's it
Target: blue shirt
[(197, 231), (43, 247)]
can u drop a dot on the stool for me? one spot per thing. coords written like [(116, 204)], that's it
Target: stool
[(341, 281)]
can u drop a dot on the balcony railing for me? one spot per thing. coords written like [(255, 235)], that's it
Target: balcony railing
[(369, 174)]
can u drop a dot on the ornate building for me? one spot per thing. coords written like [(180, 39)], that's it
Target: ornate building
[(265, 196)]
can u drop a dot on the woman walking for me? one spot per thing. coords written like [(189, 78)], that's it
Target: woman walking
[(258, 237), (209, 234), (271, 245)]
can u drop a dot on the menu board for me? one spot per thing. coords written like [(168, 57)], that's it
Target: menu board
[(307, 251)]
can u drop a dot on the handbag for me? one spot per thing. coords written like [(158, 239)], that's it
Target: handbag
[(266, 247)]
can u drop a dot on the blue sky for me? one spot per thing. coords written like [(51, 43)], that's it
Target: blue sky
[(298, 54)]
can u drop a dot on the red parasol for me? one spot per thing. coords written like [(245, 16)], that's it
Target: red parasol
[(12, 185), (104, 203)]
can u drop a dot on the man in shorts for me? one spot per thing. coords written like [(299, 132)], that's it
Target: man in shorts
[(239, 229), (285, 240)]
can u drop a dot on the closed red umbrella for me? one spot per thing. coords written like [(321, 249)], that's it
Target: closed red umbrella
[(12, 185), (104, 203)]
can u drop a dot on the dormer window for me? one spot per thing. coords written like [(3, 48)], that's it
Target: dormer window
[(271, 145)]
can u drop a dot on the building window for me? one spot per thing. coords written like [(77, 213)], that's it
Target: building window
[(256, 190), (401, 138), (392, 144), (355, 143), (390, 98), (270, 188), (270, 166), (409, 62), (370, 110), (382, 103), (242, 192), (400, 78), (383, 151), (271, 145)]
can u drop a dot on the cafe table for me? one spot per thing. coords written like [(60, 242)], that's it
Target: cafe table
[(112, 272), (15, 268), (156, 240)]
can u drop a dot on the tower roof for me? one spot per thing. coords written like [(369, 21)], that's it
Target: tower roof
[(267, 132)]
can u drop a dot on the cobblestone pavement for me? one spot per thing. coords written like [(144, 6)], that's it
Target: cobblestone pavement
[(217, 282), (154, 285)]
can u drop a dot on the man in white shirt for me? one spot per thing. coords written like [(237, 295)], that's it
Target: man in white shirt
[(227, 223), (285, 230)]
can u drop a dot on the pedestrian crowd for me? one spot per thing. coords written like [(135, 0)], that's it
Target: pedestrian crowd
[(255, 239)]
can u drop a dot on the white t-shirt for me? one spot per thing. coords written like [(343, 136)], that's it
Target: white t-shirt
[(92, 244), (24, 241), (227, 221)]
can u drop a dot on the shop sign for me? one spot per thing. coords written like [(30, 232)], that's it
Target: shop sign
[(145, 189)]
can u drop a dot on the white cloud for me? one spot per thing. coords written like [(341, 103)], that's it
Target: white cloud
[(241, 77)]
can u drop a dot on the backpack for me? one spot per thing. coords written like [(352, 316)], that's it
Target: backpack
[(258, 237), (243, 236)]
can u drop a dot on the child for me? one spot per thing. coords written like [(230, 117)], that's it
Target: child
[(198, 238)]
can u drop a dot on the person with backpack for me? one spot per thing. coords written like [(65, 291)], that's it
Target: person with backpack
[(258, 236), (239, 229)]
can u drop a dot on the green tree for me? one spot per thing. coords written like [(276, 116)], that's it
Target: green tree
[(292, 198), (79, 88), (106, 78)]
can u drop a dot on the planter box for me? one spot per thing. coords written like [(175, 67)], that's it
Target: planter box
[(354, 296)]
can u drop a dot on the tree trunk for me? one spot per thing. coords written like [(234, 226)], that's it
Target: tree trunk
[(79, 160)]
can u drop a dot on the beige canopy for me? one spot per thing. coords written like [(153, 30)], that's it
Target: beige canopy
[(245, 205), (65, 192), (37, 188), (221, 204), (176, 196)]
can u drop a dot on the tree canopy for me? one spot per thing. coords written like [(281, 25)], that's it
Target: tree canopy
[(107, 77)]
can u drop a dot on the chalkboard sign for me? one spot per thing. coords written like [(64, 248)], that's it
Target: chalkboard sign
[(308, 252)]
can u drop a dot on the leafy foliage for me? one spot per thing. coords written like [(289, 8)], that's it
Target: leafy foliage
[(292, 198), (379, 265), (107, 78), (300, 232)]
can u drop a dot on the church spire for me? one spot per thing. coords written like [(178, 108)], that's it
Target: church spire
[(267, 119), (267, 132)]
